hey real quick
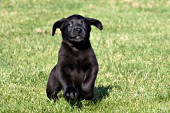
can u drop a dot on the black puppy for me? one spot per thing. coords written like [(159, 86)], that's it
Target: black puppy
[(77, 66)]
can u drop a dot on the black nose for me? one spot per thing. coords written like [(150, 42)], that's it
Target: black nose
[(78, 30)]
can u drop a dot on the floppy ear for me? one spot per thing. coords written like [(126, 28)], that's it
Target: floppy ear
[(56, 25), (95, 22)]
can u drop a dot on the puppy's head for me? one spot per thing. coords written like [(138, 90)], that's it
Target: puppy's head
[(76, 28)]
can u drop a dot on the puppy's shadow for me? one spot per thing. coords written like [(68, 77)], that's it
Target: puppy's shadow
[(101, 92)]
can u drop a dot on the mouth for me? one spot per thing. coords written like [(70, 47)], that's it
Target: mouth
[(78, 38)]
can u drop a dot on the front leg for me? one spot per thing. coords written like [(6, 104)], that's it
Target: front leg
[(87, 87), (70, 92)]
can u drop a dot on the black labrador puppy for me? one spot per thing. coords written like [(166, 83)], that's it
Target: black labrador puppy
[(77, 66)]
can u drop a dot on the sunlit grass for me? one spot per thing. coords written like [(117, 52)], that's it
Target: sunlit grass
[(133, 52)]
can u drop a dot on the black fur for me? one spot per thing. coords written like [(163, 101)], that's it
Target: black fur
[(77, 66)]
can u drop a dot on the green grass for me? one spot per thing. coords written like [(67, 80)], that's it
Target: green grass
[(133, 52)]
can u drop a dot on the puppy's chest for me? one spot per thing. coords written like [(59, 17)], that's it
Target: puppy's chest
[(79, 65), (77, 69)]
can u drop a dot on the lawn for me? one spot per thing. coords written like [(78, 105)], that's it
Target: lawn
[(133, 51)]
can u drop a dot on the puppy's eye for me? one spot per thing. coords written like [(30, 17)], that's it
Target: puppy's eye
[(69, 24), (82, 22)]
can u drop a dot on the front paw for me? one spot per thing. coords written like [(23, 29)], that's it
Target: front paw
[(71, 93)]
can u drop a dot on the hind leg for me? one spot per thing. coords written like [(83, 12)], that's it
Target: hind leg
[(53, 86), (52, 90)]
